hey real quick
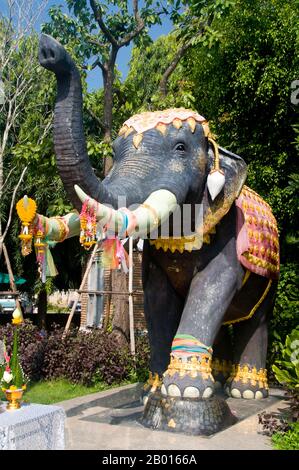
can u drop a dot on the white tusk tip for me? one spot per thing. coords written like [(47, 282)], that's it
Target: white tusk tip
[(215, 183), (80, 193)]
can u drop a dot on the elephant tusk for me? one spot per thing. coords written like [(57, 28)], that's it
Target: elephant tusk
[(148, 216), (155, 210), (105, 215)]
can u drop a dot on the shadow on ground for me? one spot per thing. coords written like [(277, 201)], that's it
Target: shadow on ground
[(123, 407)]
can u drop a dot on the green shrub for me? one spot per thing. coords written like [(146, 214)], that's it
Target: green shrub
[(288, 440), (283, 428), (285, 313), (288, 372), (85, 358)]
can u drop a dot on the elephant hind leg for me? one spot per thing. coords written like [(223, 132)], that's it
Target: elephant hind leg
[(249, 375), (222, 357)]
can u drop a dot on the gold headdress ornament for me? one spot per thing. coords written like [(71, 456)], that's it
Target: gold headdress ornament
[(160, 119)]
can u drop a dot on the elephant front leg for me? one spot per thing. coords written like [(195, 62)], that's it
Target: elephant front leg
[(186, 403), (189, 373)]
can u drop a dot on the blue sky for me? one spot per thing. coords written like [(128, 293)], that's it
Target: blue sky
[(94, 78)]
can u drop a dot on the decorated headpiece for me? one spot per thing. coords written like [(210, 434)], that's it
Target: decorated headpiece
[(159, 120)]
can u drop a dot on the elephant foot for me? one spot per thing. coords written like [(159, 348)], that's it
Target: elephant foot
[(188, 378), (187, 415), (221, 370), (247, 382), (152, 385)]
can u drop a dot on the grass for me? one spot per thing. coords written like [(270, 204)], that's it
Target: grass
[(54, 391), (288, 440)]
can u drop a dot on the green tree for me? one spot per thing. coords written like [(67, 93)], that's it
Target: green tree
[(29, 144), (140, 91), (194, 25), (243, 85)]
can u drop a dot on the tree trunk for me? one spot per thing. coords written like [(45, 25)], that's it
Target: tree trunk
[(42, 304), (171, 68), (108, 78), (120, 323)]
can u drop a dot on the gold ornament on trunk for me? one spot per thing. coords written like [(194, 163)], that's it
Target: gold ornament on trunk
[(26, 209)]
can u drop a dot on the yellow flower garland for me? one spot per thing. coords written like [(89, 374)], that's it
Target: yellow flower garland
[(26, 209)]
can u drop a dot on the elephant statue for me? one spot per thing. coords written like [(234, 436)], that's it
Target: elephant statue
[(208, 288)]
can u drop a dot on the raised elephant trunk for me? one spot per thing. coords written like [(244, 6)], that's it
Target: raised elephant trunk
[(69, 141)]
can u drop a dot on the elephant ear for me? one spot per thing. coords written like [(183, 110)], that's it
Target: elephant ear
[(235, 172)]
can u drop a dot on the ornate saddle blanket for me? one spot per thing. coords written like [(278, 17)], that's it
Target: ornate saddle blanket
[(257, 235)]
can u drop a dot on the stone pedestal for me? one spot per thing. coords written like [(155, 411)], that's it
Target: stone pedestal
[(188, 416)]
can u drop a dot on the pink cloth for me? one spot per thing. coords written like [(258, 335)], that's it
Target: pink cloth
[(257, 235)]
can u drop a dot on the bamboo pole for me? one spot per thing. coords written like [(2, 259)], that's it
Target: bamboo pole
[(131, 311), (103, 292), (88, 268), (11, 277), (108, 305)]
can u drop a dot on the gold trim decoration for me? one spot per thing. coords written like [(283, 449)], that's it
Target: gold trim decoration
[(62, 227), (128, 131), (194, 366), (137, 139), (177, 123), (153, 383), (261, 262), (190, 243), (181, 244), (254, 309), (192, 123), (123, 130), (246, 277), (221, 366), (248, 374), (161, 128), (212, 139), (153, 211), (171, 423)]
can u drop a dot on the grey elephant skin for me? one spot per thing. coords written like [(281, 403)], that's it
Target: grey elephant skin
[(189, 296)]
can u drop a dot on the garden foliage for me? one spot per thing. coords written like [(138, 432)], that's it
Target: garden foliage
[(81, 357), (283, 427)]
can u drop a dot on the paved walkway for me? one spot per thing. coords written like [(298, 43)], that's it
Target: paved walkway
[(108, 421)]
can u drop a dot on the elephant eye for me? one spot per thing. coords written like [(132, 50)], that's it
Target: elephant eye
[(180, 147)]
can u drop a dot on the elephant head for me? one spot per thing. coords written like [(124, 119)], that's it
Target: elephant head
[(161, 159)]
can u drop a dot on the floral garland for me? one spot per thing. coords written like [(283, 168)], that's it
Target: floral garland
[(88, 224)]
